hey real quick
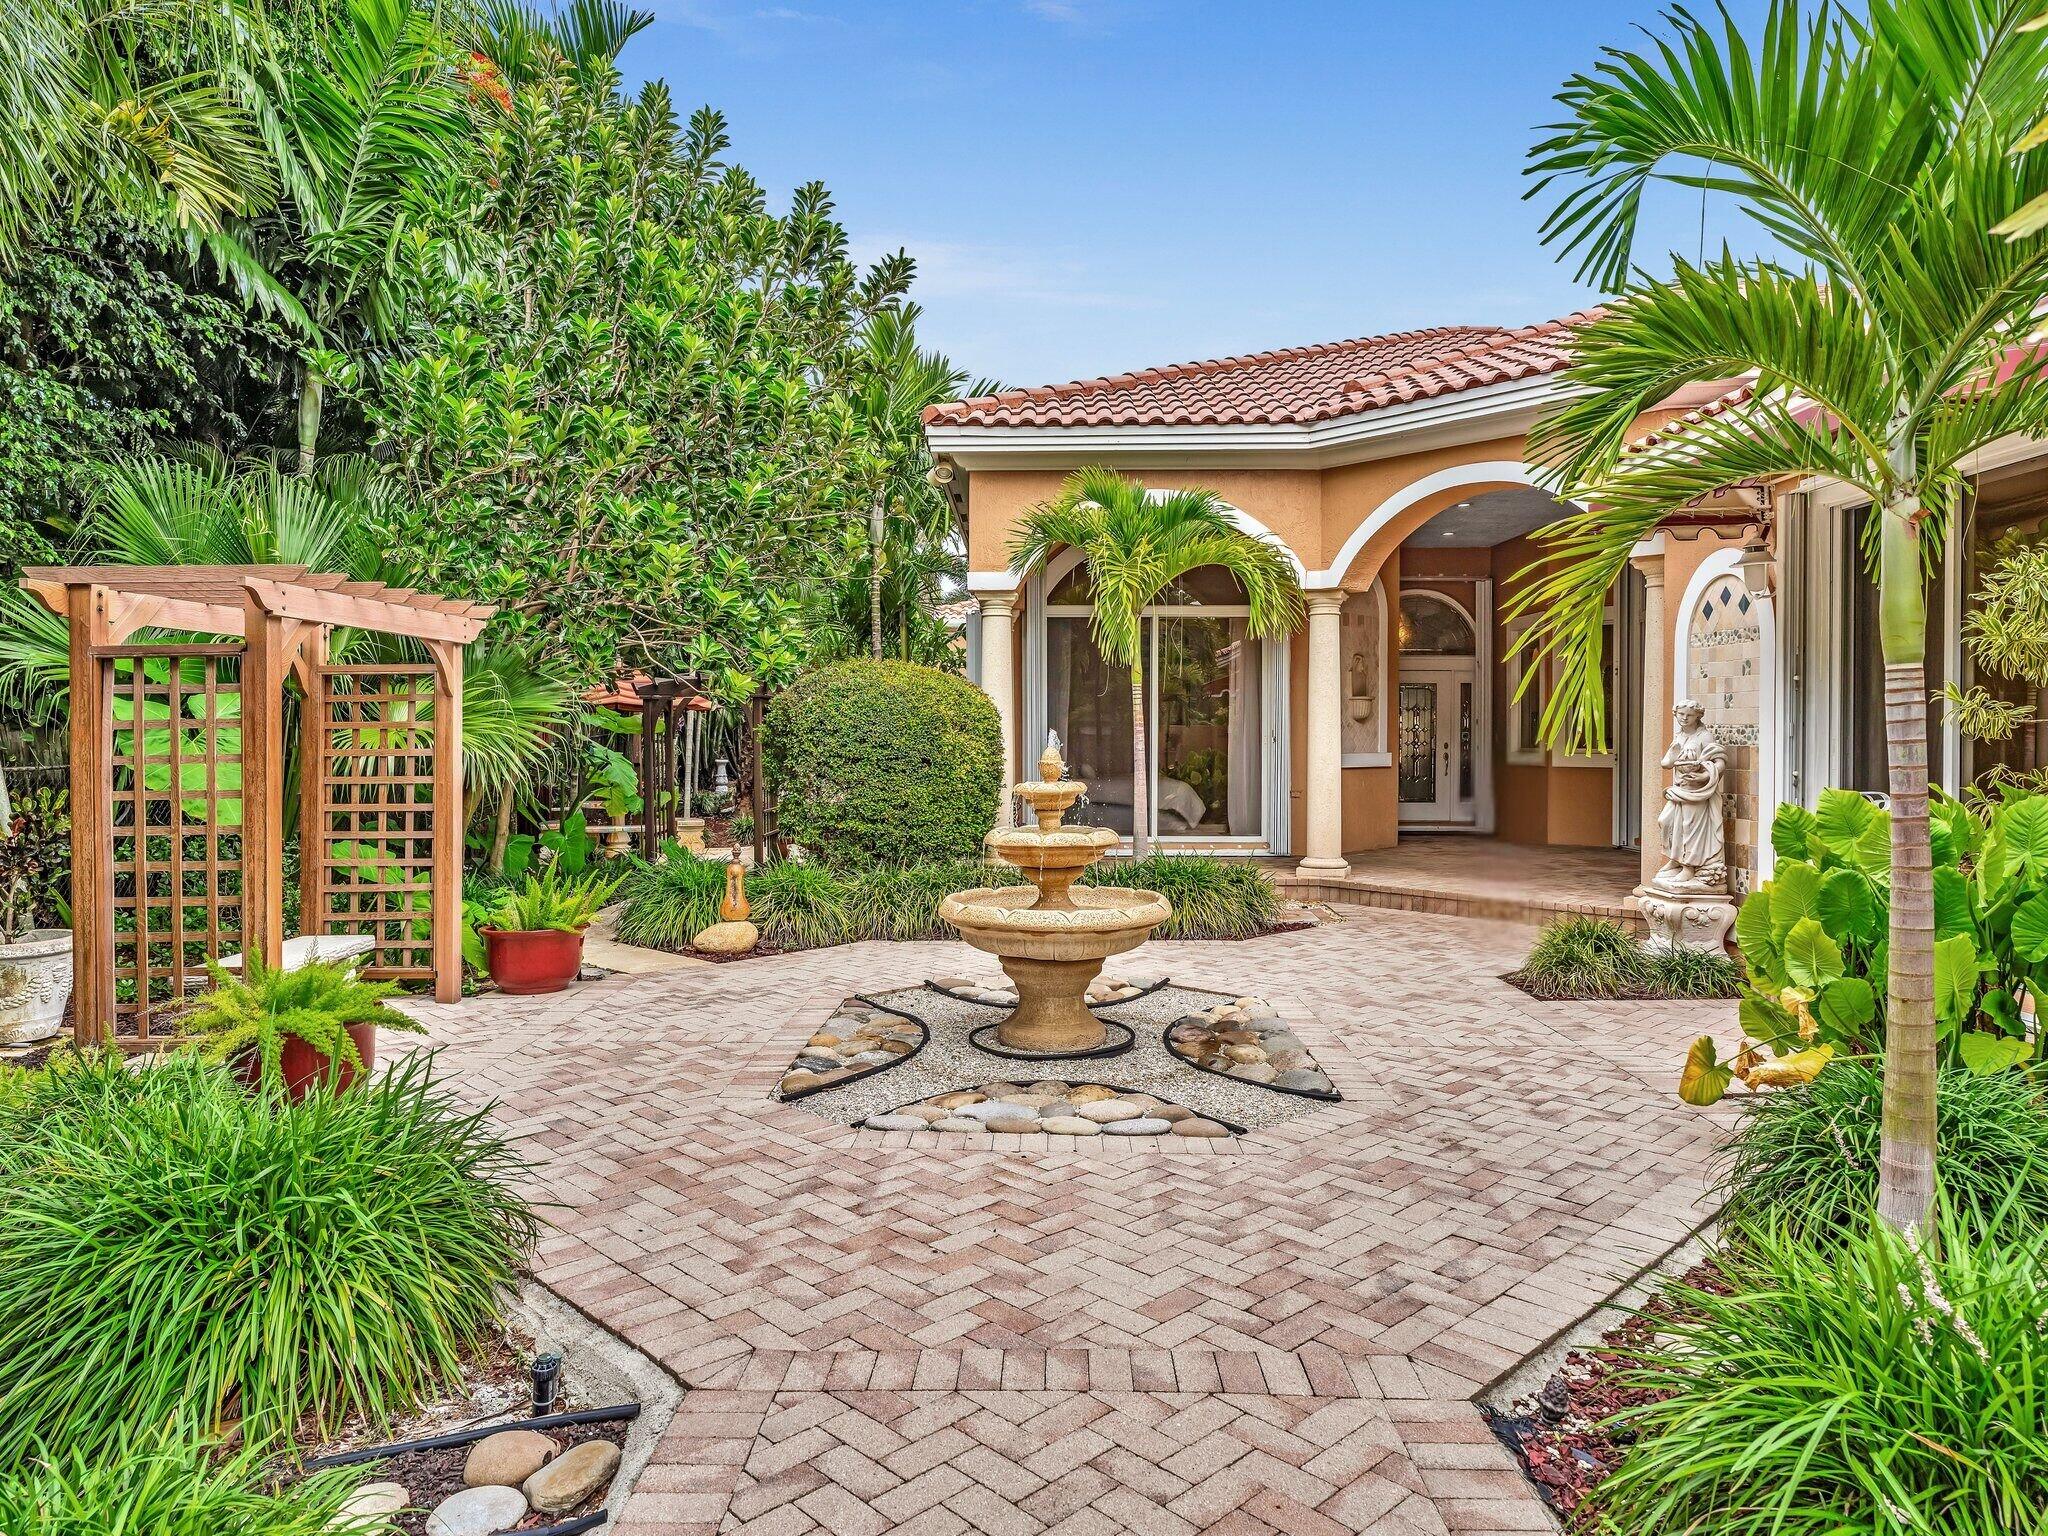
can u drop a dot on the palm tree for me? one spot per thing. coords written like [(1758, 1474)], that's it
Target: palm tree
[(201, 511), (896, 380), (1136, 544), (1891, 342)]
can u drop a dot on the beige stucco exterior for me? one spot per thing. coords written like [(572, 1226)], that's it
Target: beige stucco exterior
[(1353, 523)]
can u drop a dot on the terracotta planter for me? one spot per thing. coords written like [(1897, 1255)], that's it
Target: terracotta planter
[(35, 984), (528, 961), (305, 1068)]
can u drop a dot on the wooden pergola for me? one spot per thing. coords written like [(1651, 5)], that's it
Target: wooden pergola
[(178, 772)]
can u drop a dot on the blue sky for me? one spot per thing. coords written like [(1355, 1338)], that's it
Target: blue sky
[(1094, 185)]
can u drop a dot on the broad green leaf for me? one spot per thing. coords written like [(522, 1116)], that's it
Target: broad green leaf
[(1768, 1024), (1792, 832), (1952, 914), (1873, 852), (2030, 928), (1955, 976), (1985, 1053), (1755, 935), (1705, 1079), (1841, 821), (1964, 830), (1812, 959), (1999, 1006), (1847, 906), (2024, 826), (1848, 1005), (1794, 889)]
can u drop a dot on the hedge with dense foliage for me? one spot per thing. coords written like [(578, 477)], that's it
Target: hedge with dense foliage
[(883, 762)]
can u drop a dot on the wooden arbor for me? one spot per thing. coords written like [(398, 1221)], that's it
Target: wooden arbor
[(178, 778)]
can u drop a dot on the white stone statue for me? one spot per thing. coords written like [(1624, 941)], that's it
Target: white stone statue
[(1691, 823)]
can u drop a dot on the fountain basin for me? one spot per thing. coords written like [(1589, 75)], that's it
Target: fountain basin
[(1052, 953)]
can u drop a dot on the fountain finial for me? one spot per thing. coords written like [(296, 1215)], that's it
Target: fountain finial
[(1052, 766)]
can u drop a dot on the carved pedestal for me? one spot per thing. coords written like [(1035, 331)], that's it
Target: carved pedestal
[(1696, 921)]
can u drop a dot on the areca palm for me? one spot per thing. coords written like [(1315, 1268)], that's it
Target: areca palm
[(1893, 341), (1137, 544)]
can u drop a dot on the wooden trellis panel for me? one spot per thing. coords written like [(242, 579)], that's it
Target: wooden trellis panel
[(375, 802), (172, 805)]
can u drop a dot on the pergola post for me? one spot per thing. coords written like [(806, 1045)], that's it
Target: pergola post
[(264, 667), (446, 893), (92, 894)]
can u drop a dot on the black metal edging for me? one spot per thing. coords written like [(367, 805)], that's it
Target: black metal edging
[(1047, 1058), (924, 1031), (619, 1412), (581, 1523)]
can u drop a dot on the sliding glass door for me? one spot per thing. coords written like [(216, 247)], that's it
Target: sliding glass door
[(1204, 719)]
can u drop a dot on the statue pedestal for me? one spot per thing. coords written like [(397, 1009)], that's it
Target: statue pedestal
[(1686, 920), (688, 832)]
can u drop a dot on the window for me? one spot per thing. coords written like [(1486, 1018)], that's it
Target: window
[(1525, 710), (1433, 626)]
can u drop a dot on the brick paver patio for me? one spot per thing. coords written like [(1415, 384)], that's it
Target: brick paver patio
[(939, 1335)]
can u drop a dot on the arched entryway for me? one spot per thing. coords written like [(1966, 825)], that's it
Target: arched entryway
[(1440, 729)]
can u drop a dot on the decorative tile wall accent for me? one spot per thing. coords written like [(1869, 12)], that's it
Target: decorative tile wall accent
[(1724, 671)]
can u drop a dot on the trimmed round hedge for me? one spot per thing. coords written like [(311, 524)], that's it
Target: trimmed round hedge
[(884, 762)]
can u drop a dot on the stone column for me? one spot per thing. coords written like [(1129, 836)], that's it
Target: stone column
[(999, 682), (1656, 709), (1324, 838)]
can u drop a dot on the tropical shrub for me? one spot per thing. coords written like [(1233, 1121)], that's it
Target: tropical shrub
[(882, 762), (553, 899), (178, 1490), (1593, 957), (1806, 1157), (35, 863), (315, 1003), (221, 1254), (1886, 1385), (1212, 898)]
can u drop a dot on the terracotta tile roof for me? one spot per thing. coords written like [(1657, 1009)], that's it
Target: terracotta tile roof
[(1293, 386)]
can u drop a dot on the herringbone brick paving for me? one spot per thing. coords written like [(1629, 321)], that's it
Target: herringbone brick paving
[(1277, 1333)]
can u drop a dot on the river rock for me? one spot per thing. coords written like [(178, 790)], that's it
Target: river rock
[(957, 1098), (506, 1459), (1013, 1125), (575, 1476), (798, 1081), (895, 1122), (1254, 1071), (1175, 1112), (823, 1040), (728, 939), (957, 1123), (1302, 1080), (1069, 1125), (372, 1501), (1105, 1111), (1089, 1093), (477, 1512), (1143, 1125), (1195, 1125)]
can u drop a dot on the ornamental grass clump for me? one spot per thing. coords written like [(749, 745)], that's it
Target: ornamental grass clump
[(1212, 898), (1892, 1384), (1577, 958), (182, 1489), (1807, 1157), (173, 1248)]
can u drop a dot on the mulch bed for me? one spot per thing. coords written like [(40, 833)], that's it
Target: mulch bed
[(1562, 1437)]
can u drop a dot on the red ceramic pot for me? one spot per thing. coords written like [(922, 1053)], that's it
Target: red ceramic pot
[(523, 961), (304, 1068)]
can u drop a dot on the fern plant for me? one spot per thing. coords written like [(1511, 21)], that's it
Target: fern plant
[(553, 900), (315, 1003)]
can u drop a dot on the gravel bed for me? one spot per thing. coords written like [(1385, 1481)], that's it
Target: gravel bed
[(950, 1061)]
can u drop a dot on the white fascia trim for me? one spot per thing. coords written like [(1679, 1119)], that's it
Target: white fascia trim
[(1337, 440)]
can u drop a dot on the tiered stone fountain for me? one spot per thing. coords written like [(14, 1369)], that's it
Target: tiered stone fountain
[(1052, 936)]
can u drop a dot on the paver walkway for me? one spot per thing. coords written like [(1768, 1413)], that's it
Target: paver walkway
[(933, 1336)]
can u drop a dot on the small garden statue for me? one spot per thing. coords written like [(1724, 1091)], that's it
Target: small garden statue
[(734, 935), (1686, 903)]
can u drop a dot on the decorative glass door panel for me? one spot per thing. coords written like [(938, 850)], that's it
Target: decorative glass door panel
[(1418, 731)]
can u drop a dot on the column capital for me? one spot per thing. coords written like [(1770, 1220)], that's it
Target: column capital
[(997, 602), (1325, 600)]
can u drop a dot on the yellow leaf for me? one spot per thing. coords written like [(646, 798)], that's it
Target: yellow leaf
[(1793, 1071), (1705, 1079)]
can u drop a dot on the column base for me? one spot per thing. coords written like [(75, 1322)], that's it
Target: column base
[(1686, 922), (1313, 868)]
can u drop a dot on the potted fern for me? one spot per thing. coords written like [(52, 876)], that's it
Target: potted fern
[(316, 1024), (533, 937), (35, 961)]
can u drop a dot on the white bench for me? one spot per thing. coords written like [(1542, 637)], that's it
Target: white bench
[(309, 947)]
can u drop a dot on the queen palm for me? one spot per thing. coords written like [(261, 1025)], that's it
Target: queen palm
[(1877, 153), (1136, 544)]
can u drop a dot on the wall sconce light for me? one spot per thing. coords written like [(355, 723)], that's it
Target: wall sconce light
[(1755, 562)]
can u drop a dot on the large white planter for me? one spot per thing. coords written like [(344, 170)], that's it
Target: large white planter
[(35, 984)]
